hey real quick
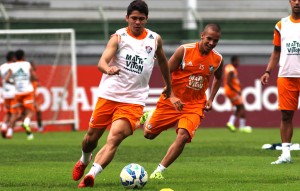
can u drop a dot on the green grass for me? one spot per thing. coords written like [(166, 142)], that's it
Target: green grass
[(215, 160)]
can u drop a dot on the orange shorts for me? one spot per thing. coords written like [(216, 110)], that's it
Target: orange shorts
[(165, 117), (234, 97), (107, 111), (26, 100), (288, 93), (9, 106)]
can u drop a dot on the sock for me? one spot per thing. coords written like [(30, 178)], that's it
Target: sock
[(286, 149), (95, 170), (85, 157), (232, 119), (39, 119), (10, 132), (242, 122), (160, 168), (4, 126)]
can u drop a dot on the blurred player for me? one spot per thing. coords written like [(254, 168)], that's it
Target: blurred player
[(23, 75), (127, 64), (232, 90), (287, 53), (192, 66), (38, 111), (8, 93)]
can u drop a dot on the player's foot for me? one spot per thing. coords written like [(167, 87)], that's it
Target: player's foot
[(282, 160), (87, 181), (144, 118), (30, 137), (246, 129), (231, 127), (41, 129), (156, 175), (79, 168), (3, 132)]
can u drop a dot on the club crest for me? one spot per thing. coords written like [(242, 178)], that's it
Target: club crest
[(148, 49)]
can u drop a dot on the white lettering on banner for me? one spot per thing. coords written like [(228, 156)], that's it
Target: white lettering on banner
[(53, 100), (261, 99), (60, 102), (82, 99)]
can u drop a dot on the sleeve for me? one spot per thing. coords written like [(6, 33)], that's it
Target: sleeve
[(277, 36)]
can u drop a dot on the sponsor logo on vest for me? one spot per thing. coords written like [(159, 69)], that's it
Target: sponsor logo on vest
[(293, 48), (134, 64)]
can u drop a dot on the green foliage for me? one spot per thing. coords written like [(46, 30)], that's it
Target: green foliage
[(215, 160)]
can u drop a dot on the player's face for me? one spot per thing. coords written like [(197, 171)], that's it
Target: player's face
[(295, 5), (136, 22), (209, 40)]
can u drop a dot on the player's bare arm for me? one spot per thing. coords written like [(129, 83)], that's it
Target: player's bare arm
[(108, 54), (274, 60), (7, 77), (217, 81), (163, 65)]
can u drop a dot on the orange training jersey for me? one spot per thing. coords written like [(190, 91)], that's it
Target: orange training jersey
[(191, 79), (235, 81)]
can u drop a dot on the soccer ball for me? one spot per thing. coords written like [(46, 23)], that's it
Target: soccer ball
[(133, 176)]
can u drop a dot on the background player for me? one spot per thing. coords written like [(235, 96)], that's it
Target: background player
[(233, 91)]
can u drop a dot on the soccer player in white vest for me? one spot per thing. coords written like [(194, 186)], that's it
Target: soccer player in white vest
[(287, 53), (126, 64), (8, 94), (23, 75)]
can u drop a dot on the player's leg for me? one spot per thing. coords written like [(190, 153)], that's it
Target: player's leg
[(89, 143), (120, 129), (288, 94), (241, 113), (187, 127)]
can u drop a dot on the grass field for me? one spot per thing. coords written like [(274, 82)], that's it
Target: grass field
[(215, 160)]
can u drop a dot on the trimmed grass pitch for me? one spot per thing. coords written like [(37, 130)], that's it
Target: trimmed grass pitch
[(215, 160)]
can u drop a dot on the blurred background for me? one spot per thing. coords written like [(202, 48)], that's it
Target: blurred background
[(247, 31)]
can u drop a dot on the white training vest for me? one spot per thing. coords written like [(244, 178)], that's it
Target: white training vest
[(21, 75), (135, 58), (289, 63), (8, 90)]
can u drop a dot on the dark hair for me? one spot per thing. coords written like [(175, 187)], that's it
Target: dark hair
[(213, 26), (234, 58), (10, 56), (138, 5), (20, 54)]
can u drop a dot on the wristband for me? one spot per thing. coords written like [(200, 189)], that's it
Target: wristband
[(268, 72)]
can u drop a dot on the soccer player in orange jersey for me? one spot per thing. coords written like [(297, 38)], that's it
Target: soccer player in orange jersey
[(287, 53), (232, 90), (191, 66)]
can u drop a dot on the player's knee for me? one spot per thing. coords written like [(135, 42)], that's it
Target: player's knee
[(287, 116)]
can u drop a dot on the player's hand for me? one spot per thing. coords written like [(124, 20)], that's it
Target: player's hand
[(265, 79), (113, 70), (167, 92), (208, 106), (178, 105)]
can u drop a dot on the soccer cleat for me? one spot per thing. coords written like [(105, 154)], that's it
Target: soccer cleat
[(231, 127), (156, 175), (246, 129), (87, 181), (30, 137), (78, 169), (144, 118), (282, 160)]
